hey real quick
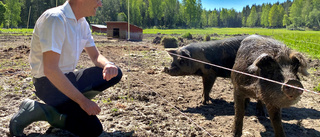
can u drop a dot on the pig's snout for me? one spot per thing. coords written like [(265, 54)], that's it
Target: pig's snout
[(290, 92), (173, 71), (166, 70)]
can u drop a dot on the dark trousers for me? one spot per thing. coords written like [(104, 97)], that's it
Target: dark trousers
[(77, 121)]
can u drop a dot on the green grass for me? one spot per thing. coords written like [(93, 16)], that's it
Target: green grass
[(114, 109), (100, 34), (17, 32), (303, 41), (317, 88)]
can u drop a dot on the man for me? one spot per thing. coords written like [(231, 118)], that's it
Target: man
[(59, 36)]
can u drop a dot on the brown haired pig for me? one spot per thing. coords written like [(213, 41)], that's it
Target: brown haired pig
[(220, 52), (267, 58)]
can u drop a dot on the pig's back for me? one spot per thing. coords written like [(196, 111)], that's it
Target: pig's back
[(219, 52), (253, 46)]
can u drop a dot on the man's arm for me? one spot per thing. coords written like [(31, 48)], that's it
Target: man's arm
[(109, 70), (61, 82)]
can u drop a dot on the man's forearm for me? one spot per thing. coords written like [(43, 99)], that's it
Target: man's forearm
[(101, 61), (98, 59)]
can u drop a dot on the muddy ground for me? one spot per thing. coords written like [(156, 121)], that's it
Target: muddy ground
[(148, 102)]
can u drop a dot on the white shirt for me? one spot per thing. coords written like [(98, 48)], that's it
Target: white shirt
[(58, 30)]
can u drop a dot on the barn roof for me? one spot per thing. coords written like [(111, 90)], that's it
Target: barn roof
[(121, 22), (99, 26)]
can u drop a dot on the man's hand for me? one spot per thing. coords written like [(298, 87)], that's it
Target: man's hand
[(109, 71), (90, 107)]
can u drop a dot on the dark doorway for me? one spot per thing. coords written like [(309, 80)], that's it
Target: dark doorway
[(116, 32)]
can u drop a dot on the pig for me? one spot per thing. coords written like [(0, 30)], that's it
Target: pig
[(219, 52), (271, 59)]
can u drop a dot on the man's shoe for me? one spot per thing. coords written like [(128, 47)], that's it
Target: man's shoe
[(31, 111)]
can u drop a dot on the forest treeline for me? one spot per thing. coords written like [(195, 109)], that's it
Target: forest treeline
[(296, 14)]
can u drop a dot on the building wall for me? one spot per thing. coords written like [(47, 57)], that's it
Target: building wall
[(135, 32), (136, 36)]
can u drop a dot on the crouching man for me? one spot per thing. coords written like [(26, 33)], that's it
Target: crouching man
[(59, 37)]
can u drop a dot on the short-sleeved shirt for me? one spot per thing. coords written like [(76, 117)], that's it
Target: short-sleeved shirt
[(58, 30)]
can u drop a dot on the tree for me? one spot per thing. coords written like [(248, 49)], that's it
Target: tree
[(295, 13), (110, 8), (280, 16), (234, 19), (24, 15), (315, 18), (192, 11), (286, 20), (213, 19), (2, 11), (123, 6), (244, 21), (307, 8), (224, 17), (181, 18), (169, 13), (175, 13), (265, 15), (198, 13), (155, 10), (205, 18), (316, 4), (245, 13), (122, 17), (12, 14), (135, 14), (144, 13), (253, 17), (286, 5), (276, 16)]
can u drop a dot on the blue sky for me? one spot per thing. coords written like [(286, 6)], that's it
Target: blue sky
[(236, 4)]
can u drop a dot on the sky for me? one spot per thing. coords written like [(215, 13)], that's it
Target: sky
[(236, 4)]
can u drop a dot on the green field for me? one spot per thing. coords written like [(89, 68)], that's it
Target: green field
[(17, 32), (304, 41)]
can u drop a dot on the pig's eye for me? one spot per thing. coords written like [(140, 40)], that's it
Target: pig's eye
[(181, 62)]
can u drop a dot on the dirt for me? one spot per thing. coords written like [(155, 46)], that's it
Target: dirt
[(148, 102)]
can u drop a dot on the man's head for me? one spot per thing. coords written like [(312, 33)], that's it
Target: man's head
[(85, 8)]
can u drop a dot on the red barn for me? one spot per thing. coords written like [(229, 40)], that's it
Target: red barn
[(99, 28), (119, 29)]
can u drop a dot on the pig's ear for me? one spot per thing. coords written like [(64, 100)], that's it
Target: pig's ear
[(299, 62), (264, 62), (173, 51), (185, 53)]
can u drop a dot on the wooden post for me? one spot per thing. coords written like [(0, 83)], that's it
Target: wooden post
[(28, 17), (128, 19)]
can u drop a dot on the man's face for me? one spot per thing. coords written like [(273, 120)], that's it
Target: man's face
[(91, 7)]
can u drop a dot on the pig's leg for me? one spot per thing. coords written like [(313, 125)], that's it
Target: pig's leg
[(259, 109), (208, 82), (247, 101), (275, 117), (239, 108)]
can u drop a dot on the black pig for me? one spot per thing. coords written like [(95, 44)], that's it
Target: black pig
[(220, 52), (268, 58)]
